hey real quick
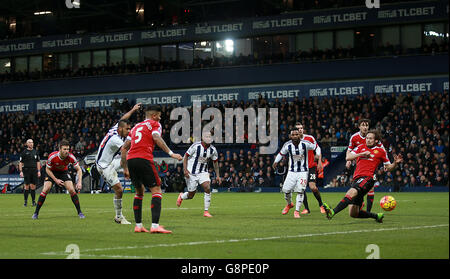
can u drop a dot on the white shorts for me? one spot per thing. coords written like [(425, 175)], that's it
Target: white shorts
[(196, 179), (109, 173), (295, 182)]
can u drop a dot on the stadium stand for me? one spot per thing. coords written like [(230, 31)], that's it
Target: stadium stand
[(413, 122), (411, 125)]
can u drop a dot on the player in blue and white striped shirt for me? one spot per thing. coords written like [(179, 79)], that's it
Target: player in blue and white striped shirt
[(195, 166), (296, 180), (108, 162)]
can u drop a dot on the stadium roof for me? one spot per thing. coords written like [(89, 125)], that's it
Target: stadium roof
[(25, 18)]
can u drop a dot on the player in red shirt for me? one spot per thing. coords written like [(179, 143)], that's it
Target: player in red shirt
[(355, 140), (313, 166), (137, 163), (368, 157), (57, 172)]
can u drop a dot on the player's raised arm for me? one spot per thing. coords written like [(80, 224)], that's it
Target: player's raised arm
[(162, 144), (128, 114)]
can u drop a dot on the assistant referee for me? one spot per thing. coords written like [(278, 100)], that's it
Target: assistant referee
[(30, 170)]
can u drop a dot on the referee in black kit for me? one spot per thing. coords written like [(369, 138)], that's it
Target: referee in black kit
[(30, 170)]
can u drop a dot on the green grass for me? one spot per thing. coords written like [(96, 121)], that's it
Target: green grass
[(245, 226)]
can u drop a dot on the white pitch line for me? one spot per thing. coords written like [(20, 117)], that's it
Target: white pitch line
[(247, 239)]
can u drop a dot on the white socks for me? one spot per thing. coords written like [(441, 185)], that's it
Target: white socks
[(207, 201), (299, 201), (118, 207)]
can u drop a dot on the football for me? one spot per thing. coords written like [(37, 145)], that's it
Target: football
[(388, 203)]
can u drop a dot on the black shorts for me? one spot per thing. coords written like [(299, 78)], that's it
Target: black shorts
[(363, 185), (63, 175), (312, 176), (143, 172), (30, 176)]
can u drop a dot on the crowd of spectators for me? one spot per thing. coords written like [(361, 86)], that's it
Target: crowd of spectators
[(151, 65), (415, 126)]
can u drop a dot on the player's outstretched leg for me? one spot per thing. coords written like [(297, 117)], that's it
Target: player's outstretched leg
[(355, 212), (370, 198), (40, 202), (184, 196), (328, 210), (76, 202)]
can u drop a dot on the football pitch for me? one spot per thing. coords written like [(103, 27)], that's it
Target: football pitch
[(244, 226)]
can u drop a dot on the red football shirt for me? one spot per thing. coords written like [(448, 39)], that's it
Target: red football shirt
[(55, 163), (311, 162), (358, 139), (142, 144), (366, 166)]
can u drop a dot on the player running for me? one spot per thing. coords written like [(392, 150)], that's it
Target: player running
[(137, 163), (297, 176), (107, 164), (368, 156), (355, 140), (195, 167), (314, 163), (57, 172)]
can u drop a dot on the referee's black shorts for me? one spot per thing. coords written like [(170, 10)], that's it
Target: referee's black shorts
[(30, 176), (362, 184), (143, 172)]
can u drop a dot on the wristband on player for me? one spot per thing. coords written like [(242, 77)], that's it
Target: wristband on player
[(170, 153)]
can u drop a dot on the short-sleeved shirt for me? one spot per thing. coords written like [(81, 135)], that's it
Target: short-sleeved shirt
[(141, 137), (56, 163), (366, 166), (198, 156), (298, 154), (29, 158)]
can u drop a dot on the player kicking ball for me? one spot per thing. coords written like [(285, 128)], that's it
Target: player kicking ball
[(368, 156), (195, 166)]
